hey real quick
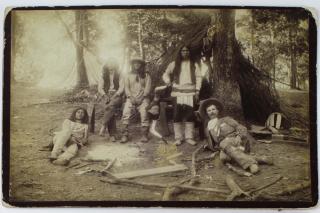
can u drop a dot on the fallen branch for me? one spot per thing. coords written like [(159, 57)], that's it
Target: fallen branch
[(174, 190), (83, 165), (114, 180), (236, 191), (193, 163), (72, 165), (110, 164), (174, 156), (293, 188), (289, 190), (152, 171), (266, 185)]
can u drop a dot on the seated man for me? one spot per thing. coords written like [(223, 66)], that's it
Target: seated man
[(110, 88), (227, 135), (137, 84)]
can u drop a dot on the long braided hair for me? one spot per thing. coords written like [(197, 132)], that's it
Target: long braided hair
[(178, 61)]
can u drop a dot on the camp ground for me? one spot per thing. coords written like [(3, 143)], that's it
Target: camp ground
[(258, 68)]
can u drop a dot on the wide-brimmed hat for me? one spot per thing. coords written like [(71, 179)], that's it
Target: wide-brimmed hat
[(137, 59), (206, 103)]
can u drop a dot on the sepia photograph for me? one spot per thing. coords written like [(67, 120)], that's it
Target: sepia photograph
[(190, 106)]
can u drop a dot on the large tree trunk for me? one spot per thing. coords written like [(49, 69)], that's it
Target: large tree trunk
[(242, 88), (274, 57), (252, 31), (142, 55), (82, 78), (293, 57), (224, 63)]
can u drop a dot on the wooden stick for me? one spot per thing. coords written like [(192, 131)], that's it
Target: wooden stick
[(289, 190), (110, 164), (173, 190), (266, 185), (193, 161), (152, 171), (236, 191), (174, 156), (114, 180), (81, 166), (170, 191), (72, 165), (293, 188)]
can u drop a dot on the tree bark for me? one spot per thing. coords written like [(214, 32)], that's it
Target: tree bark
[(293, 57), (142, 55), (225, 62), (274, 57), (82, 78), (252, 30)]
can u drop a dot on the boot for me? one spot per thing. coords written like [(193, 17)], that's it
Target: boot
[(125, 133), (189, 133), (264, 160), (177, 128), (254, 168), (144, 138), (48, 147), (65, 157)]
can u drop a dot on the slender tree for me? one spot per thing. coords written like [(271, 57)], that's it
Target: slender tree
[(82, 78)]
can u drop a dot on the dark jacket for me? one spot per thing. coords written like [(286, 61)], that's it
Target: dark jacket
[(106, 80)]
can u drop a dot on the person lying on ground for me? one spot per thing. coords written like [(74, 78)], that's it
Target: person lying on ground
[(73, 135), (227, 135)]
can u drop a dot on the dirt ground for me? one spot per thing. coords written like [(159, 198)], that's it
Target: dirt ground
[(34, 178)]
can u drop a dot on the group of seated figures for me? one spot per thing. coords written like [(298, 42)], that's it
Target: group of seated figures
[(182, 78)]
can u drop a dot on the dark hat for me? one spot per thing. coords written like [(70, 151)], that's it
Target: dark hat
[(206, 103), (137, 59)]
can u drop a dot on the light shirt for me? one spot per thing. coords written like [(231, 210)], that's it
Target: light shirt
[(213, 127), (185, 77), (78, 130), (185, 80)]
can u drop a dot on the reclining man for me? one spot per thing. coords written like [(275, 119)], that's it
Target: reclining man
[(227, 135)]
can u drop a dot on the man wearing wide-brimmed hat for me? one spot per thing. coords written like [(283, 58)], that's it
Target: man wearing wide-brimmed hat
[(137, 85), (227, 135)]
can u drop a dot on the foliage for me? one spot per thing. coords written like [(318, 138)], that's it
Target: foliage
[(273, 36)]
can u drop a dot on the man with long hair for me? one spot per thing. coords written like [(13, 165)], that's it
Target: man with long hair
[(185, 77), (137, 85)]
